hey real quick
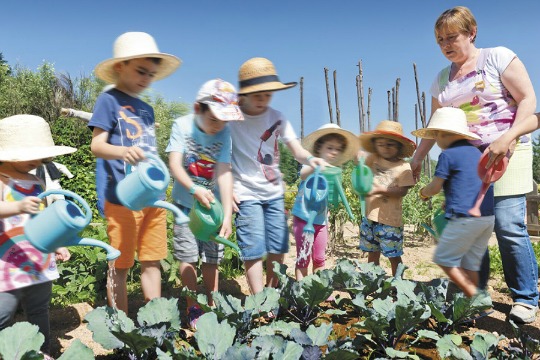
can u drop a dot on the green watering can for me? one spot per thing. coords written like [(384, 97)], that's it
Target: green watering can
[(439, 221), (333, 176), (362, 182), (205, 223)]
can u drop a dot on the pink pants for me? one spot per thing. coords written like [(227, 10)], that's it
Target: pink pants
[(320, 239)]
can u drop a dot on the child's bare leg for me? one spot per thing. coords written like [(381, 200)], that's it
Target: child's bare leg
[(117, 289), (211, 280), (254, 274), (188, 274), (461, 279), (301, 273), (394, 262), (374, 257), (474, 276), (319, 268), (151, 279), (271, 280)]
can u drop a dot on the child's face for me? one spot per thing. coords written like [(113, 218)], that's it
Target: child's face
[(209, 123), (444, 139), (135, 76), (387, 149), (22, 167), (256, 103), (331, 149)]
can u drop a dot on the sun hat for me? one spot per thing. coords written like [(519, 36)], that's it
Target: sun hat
[(448, 119), (352, 142), (222, 99), (389, 130), (259, 74), (28, 137), (133, 45)]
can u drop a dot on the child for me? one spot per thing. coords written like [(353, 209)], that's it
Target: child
[(27, 274), (464, 240), (335, 146), (200, 154), (122, 131), (381, 230), (261, 226)]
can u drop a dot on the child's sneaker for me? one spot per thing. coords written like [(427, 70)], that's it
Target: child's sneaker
[(194, 313)]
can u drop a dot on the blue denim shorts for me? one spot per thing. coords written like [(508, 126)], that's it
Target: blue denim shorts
[(261, 228), (380, 237)]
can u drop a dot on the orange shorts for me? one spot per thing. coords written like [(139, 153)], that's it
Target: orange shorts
[(143, 232)]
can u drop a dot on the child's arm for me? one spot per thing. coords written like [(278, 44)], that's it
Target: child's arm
[(433, 188), (304, 157), (200, 193), (305, 171), (102, 149), (28, 205), (225, 183), (393, 191)]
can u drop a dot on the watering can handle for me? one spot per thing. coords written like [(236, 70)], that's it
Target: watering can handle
[(316, 175), (71, 194), (155, 159)]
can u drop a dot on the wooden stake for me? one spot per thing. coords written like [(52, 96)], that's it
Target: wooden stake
[(369, 109), (361, 90), (301, 108), (396, 108), (389, 105), (328, 95), (422, 114), (338, 119)]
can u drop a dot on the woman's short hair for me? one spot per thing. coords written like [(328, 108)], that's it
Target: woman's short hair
[(459, 18)]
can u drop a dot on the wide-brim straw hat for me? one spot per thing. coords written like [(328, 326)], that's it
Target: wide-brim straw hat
[(134, 45), (350, 150), (389, 130), (28, 137), (259, 74), (447, 119)]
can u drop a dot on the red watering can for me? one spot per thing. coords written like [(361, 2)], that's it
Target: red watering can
[(487, 176)]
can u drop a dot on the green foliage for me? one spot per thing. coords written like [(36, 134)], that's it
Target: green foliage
[(21, 339), (416, 211), (288, 165), (536, 159)]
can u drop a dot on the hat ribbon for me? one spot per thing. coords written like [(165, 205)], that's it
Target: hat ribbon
[(259, 80)]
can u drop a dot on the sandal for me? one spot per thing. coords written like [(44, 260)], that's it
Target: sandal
[(523, 313)]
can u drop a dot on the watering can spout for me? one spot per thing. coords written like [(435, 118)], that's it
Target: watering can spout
[(308, 228), (179, 217), (344, 200), (112, 253), (226, 242)]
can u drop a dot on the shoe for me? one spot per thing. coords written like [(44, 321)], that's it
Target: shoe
[(523, 313), (194, 313)]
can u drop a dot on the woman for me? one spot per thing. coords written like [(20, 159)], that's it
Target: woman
[(493, 88)]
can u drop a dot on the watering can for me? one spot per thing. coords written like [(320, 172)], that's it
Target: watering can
[(362, 182), (143, 187), (488, 176), (439, 221), (315, 197), (205, 223), (335, 189), (59, 224)]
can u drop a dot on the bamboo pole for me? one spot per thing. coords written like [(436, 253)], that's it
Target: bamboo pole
[(396, 108), (328, 95), (422, 115), (393, 104), (338, 113), (301, 108), (416, 122), (361, 87), (358, 97), (370, 90), (389, 105)]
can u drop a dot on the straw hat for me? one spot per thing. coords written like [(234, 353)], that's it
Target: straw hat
[(133, 45), (222, 99), (259, 74), (452, 120), (389, 130), (350, 150), (28, 137)]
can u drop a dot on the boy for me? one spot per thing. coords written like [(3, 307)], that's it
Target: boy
[(381, 230), (200, 154), (261, 225), (122, 131), (464, 240)]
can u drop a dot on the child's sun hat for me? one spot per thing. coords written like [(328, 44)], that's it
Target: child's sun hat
[(222, 99), (134, 45), (388, 129), (28, 137), (259, 74), (447, 119), (348, 153)]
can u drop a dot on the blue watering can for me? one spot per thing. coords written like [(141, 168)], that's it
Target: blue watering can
[(439, 221), (362, 182), (335, 189), (143, 187), (315, 197), (59, 224)]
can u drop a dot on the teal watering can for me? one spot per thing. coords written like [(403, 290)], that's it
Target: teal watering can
[(143, 187), (205, 223), (335, 189), (362, 182), (315, 197), (439, 221), (59, 224)]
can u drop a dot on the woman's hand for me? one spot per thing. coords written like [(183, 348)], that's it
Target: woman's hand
[(498, 149), (416, 167)]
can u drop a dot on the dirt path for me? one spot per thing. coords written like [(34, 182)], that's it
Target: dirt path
[(66, 324)]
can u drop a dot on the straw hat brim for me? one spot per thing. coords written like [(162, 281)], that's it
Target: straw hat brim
[(268, 86), (169, 63), (367, 144), (34, 153), (429, 133), (350, 152)]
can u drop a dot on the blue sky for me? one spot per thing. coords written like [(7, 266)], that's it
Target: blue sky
[(213, 38)]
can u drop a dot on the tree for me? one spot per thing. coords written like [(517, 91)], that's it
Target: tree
[(536, 159), (287, 165)]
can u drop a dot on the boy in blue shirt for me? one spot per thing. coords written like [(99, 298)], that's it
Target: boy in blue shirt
[(465, 238)]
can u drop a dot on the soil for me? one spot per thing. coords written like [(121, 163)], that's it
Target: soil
[(67, 324)]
